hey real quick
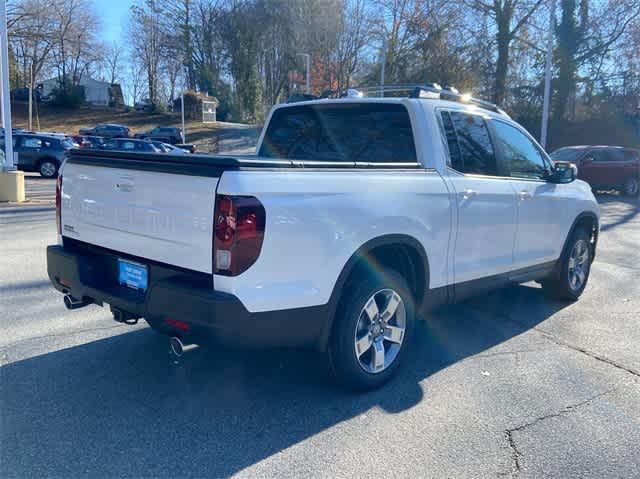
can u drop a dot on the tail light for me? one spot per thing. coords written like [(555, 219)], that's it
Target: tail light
[(238, 231), (59, 204)]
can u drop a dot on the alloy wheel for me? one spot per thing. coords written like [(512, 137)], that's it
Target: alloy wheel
[(47, 169), (578, 264), (380, 331)]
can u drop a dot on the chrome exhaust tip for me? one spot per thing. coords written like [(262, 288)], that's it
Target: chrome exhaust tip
[(73, 303), (177, 348)]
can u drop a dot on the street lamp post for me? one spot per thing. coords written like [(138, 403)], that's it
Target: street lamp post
[(547, 78)]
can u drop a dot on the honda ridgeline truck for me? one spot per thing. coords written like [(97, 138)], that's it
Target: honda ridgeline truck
[(355, 216)]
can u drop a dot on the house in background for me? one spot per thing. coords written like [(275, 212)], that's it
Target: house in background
[(96, 92)]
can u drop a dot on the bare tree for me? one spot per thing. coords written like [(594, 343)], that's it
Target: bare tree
[(113, 61), (31, 38), (146, 38), (353, 36), (135, 81), (508, 16), (586, 38)]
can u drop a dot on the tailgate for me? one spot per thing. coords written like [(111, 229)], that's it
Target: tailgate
[(159, 216)]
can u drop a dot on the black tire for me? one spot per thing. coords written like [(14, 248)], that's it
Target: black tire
[(631, 187), (48, 168), (559, 285), (343, 360)]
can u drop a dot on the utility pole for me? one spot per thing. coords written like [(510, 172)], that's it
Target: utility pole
[(184, 132), (31, 97), (6, 98), (547, 77), (308, 63), (382, 66)]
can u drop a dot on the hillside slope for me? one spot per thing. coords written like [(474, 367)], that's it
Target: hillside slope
[(69, 121)]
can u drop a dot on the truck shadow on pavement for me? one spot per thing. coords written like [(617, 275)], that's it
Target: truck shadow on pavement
[(117, 407)]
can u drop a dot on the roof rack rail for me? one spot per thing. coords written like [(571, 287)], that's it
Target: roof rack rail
[(431, 91), (452, 94)]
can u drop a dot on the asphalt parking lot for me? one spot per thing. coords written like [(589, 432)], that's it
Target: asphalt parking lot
[(507, 385)]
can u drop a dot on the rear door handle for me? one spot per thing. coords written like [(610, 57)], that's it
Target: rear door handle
[(524, 195)]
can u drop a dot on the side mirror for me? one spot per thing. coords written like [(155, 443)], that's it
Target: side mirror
[(563, 172), (587, 159)]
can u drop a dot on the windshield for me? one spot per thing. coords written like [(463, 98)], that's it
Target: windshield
[(66, 143), (566, 154)]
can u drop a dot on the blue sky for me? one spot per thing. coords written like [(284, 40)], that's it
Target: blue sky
[(114, 14)]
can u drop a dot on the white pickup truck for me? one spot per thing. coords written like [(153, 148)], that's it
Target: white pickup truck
[(355, 216)]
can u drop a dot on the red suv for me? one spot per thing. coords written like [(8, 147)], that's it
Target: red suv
[(605, 166)]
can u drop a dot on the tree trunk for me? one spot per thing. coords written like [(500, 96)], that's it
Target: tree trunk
[(567, 47), (503, 39)]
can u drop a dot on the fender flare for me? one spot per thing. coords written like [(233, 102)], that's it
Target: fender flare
[(360, 254), (581, 216)]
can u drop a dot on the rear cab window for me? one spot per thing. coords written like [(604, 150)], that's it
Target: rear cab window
[(345, 133)]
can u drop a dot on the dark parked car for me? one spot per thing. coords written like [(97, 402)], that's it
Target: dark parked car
[(42, 153), (165, 134), (605, 167), (144, 105), (121, 144), (106, 131)]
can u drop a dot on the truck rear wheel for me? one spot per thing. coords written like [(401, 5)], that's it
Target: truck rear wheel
[(372, 331)]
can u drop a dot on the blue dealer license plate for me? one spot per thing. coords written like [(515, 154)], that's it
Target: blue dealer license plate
[(132, 275)]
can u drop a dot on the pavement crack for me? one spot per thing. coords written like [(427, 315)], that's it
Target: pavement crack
[(566, 344), (591, 354), (516, 454)]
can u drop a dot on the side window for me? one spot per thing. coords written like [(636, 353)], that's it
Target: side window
[(32, 143), (598, 155), (631, 155), (455, 158), (615, 155), (469, 143), (522, 156), (128, 145)]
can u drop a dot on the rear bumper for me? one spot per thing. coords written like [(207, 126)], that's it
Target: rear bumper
[(90, 273)]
